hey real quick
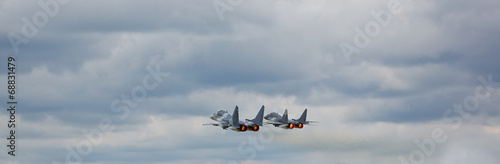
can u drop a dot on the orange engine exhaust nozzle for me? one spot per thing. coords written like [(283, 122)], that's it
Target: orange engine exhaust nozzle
[(290, 126), (256, 128), (243, 128)]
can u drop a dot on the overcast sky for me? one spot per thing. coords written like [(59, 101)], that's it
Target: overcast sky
[(389, 81)]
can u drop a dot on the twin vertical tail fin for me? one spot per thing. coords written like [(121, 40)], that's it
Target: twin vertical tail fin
[(284, 118), (258, 119), (302, 118), (235, 120)]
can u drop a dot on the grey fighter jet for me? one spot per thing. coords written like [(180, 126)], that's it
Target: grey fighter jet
[(282, 121), (225, 120)]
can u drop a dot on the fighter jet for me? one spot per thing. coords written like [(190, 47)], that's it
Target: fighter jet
[(282, 121), (225, 120)]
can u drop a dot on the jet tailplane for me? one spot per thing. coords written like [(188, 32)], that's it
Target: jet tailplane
[(302, 118)]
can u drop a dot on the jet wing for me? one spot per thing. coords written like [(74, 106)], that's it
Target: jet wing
[(223, 124), (274, 122)]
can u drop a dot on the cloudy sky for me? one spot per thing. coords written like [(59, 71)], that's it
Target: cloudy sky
[(116, 82)]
